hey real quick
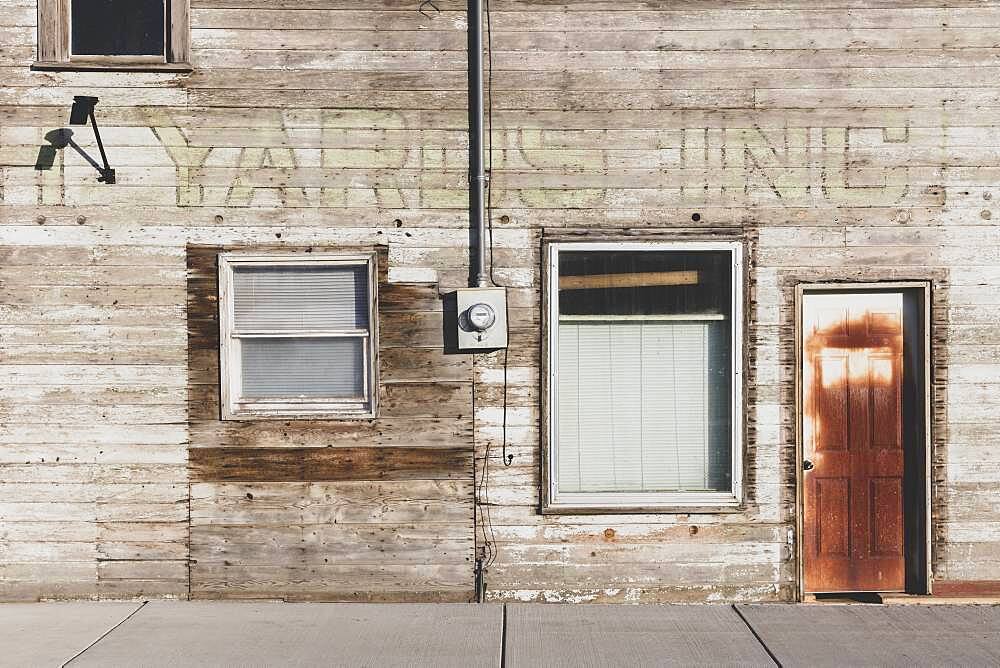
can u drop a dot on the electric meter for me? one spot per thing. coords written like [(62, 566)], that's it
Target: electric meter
[(482, 318)]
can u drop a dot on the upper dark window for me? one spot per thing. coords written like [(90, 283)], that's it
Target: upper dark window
[(94, 34)]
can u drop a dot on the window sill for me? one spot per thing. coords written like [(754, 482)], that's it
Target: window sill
[(318, 416), (181, 68), (642, 510)]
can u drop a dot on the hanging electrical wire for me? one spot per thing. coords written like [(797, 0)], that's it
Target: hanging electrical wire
[(424, 5), (481, 491)]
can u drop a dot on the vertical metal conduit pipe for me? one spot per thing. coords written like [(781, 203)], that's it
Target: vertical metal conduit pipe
[(477, 173)]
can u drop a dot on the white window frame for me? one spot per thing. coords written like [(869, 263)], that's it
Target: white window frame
[(234, 407), (553, 500)]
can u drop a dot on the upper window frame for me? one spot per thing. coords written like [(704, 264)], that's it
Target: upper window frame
[(629, 502), (230, 365), (54, 30)]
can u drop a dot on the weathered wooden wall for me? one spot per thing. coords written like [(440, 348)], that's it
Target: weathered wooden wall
[(335, 510), (859, 139)]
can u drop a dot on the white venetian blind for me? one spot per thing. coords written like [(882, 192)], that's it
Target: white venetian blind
[(300, 298), (637, 406), (303, 367)]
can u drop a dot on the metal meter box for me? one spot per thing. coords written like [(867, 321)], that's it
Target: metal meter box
[(482, 318)]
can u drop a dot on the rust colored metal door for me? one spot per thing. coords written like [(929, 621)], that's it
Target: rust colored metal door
[(852, 449)]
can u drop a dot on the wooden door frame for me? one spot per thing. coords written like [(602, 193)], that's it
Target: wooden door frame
[(801, 290)]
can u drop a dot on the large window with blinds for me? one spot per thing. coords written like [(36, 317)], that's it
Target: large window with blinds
[(644, 359), (297, 335)]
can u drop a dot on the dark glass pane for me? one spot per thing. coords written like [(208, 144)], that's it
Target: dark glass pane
[(645, 283), (117, 27)]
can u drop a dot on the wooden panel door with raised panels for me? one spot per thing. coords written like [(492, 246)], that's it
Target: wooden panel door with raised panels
[(852, 442)]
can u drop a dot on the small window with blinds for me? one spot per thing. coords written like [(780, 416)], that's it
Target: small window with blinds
[(297, 336), (644, 359)]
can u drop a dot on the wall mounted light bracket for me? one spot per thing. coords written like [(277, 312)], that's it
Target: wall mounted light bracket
[(83, 108)]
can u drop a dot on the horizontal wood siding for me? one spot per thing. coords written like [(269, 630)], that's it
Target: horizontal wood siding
[(93, 481), (853, 140)]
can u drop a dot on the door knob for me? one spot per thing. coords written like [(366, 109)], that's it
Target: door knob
[(807, 465)]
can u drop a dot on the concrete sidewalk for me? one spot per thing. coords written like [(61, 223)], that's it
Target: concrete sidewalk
[(162, 633)]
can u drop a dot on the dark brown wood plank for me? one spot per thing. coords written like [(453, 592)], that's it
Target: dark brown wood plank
[(967, 588), (228, 464)]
